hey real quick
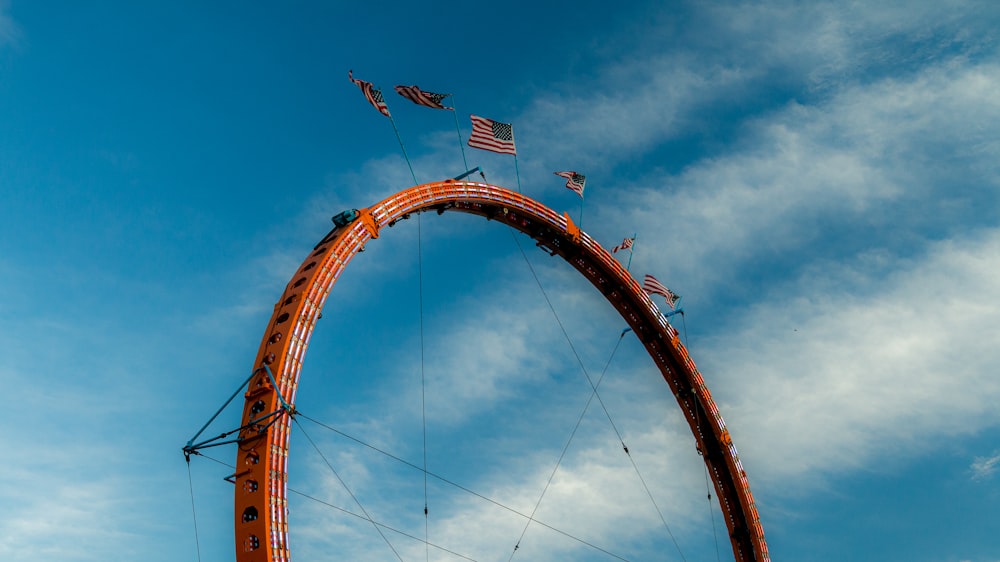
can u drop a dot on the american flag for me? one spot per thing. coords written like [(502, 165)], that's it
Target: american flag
[(491, 135), (420, 97), (373, 95), (625, 245), (654, 287), (574, 181)]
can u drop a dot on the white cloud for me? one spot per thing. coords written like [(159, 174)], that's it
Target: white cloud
[(638, 107), (823, 381), (503, 366), (879, 363), (678, 77), (92, 506), (595, 496), (10, 33), (858, 356), (871, 157), (985, 467)]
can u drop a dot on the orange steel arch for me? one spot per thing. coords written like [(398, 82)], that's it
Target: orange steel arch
[(262, 460)]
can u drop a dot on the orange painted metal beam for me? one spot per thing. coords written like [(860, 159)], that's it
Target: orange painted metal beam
[(261, 509)]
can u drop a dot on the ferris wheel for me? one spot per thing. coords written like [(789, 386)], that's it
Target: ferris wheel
[(261, 476)]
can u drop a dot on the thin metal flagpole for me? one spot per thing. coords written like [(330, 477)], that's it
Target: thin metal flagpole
[(517, 174), (581, 209), (631, 251), (403, 148), (458, 130)]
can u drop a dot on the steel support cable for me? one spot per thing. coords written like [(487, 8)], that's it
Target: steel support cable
[(450, 483), (583, 253), (346, 511), (657, 507), (599, 400), (566, 446), (383, 525), (432, 475), (194, 513), (566, 336), (438, 477), (423, 384), (344, 484)]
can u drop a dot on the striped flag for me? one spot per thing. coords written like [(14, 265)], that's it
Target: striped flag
[(491, 135), (574, 181), (625, 245), (372, 94), (652, 286), (420, 97)]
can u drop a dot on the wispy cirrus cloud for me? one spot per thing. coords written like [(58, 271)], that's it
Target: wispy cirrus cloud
[(985, 467), (689, 72), (823, 380), (870, 158), (595, 496), (101, 511), (10, 32), (503, 392), (860, 168), (899, 173)]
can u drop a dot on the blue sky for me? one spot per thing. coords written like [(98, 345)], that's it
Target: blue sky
[(820, 181)]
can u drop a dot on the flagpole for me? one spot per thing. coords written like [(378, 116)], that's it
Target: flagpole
[(581, 210), (517, 174), (459, 131), (403, 148), (631, 251)]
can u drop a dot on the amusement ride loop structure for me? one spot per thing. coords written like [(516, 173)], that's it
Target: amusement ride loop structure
[(262, 460)]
